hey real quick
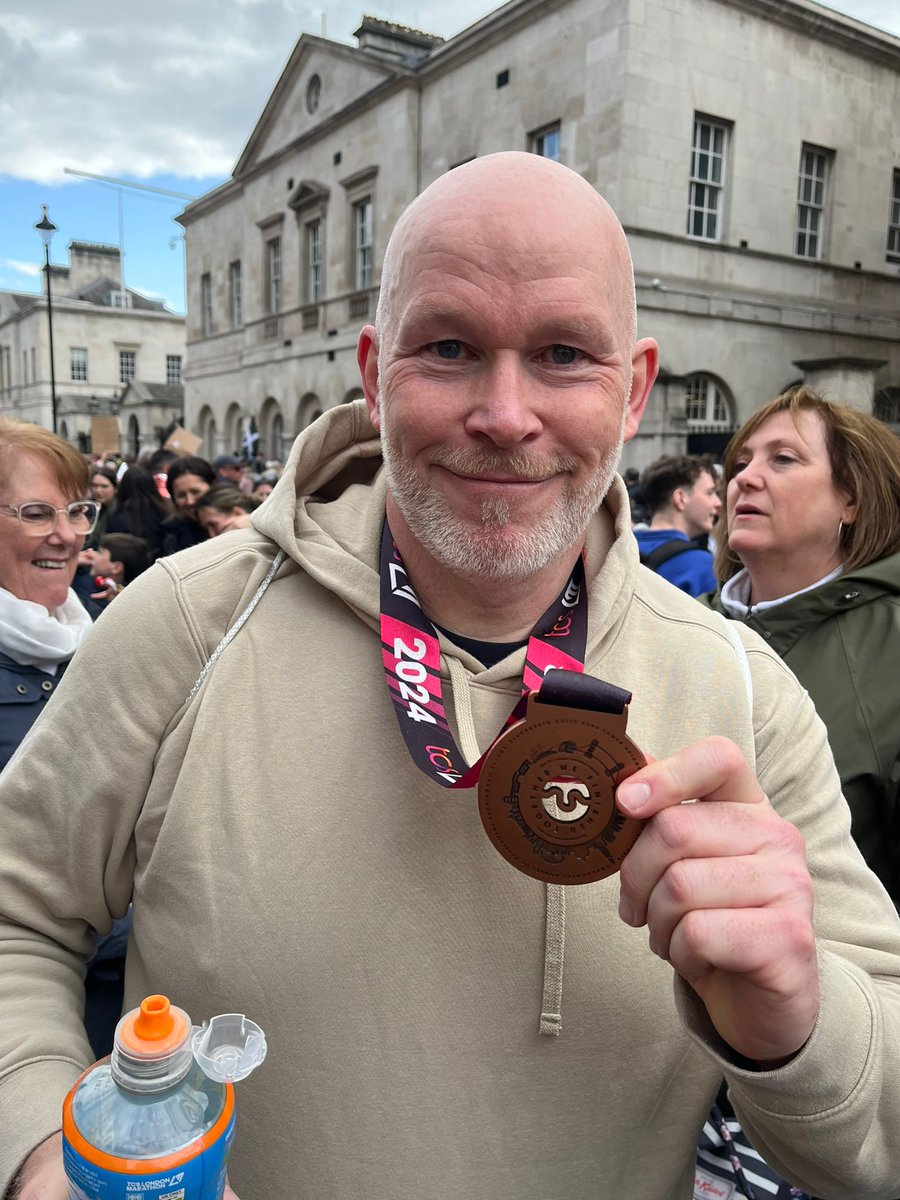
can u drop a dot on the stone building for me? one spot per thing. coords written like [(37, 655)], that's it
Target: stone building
[(750, 148), (106, 338)]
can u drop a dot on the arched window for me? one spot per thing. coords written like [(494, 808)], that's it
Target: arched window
[(707, 404), (276, 439), (134, 436), (309, 408)]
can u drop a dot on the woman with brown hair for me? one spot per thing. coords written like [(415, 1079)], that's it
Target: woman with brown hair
[(224, 508), (809, 556), (45, 516)]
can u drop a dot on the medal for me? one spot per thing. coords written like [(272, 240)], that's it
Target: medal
[(546, 785), (546, 791)]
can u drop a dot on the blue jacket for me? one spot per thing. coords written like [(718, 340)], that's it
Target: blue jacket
[(692, 571), (23, 693)]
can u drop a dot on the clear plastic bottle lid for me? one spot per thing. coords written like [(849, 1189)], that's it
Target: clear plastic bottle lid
[(228, 1047)]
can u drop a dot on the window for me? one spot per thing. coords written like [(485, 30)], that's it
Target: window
[(206, 304), (313, 94), (78, 364), (121, 299), (126, 365), (314, 262), (33, 366), (235, 303), (546, 142), (273, 275), (812, 194), (707, 181), (362, 241), (705, 403), (173, 368), (893, 240)]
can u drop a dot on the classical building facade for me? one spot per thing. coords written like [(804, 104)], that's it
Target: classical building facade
[(106, 339), (750, 148)]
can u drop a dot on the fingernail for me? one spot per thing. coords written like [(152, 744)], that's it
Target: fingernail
[(635, 796), (626, 912)]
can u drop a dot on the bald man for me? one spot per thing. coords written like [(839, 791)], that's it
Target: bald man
[(462, 998)]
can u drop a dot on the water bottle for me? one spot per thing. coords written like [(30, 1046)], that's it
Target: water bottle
[(156, 1118)]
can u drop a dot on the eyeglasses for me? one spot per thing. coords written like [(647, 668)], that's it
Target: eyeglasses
[(39, 518)]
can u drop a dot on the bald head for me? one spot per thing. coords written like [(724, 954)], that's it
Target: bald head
[(542, 214)]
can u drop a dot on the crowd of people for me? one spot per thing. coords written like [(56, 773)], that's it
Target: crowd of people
[(266, 776)]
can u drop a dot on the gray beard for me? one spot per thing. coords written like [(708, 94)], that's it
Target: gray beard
[(494, 551)]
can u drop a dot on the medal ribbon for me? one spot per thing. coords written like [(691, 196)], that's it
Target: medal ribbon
[(411, 655)]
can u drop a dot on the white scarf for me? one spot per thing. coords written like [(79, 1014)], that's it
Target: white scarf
[(35, 638)]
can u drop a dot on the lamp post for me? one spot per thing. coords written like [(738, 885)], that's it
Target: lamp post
[(46, 229)]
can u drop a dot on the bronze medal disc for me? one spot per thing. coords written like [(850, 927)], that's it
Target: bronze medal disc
[(546, 793)]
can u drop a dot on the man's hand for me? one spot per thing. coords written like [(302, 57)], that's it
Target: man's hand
[(724, 890), (42, 1176)]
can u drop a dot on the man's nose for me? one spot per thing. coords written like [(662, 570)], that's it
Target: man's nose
[(503, 404)]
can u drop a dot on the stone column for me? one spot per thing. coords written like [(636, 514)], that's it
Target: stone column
[(843, 380)]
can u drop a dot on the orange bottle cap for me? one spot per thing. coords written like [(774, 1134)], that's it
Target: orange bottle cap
[(153, 1029)]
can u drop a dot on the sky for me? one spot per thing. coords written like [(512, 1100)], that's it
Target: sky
[(165, 94)]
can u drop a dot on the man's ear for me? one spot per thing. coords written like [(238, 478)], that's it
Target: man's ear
[(367, 360), (644, 369), (118, 570)]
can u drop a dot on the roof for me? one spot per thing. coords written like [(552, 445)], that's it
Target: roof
[(102, 290), (139, 391)]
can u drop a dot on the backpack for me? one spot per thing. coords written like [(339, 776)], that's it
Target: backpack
[(662, 553)]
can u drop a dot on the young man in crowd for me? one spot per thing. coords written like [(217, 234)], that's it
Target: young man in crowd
[(683, 498)]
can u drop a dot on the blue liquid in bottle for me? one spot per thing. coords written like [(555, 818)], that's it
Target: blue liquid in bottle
[(156, 1119)]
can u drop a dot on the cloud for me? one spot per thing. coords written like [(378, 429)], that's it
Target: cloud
[(22, 268), (155, 87)]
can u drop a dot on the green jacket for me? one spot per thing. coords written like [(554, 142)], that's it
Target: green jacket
[(842, 641)]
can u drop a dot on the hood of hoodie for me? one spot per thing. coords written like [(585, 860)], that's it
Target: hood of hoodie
[(321, 514)]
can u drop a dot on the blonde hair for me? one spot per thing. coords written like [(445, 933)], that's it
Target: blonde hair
[(865, 464), (21, 437)]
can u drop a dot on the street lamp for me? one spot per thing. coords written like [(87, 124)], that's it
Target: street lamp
[(46, 229)]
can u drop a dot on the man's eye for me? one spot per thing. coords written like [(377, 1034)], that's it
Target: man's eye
[(563, 354), (449, 350)]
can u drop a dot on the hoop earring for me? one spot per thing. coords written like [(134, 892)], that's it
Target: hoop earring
[(840, 531)]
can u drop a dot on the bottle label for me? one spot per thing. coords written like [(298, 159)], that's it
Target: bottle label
[(200, 1178)]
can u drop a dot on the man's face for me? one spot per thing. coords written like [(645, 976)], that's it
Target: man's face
[(503, 393), (702, 505), (232, 474)]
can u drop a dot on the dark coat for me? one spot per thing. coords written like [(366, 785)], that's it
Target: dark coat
[(180, 533), (842, 641), (23, 693)]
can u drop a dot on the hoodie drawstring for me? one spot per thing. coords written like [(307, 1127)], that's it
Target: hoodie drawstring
[(550, 1023)]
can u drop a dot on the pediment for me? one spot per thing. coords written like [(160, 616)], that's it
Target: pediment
[(309, 194), (320, 80)]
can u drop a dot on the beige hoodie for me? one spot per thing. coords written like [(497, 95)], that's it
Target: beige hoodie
[(288, 860)]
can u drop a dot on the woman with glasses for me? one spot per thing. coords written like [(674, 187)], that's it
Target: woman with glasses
[(44, 520)]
